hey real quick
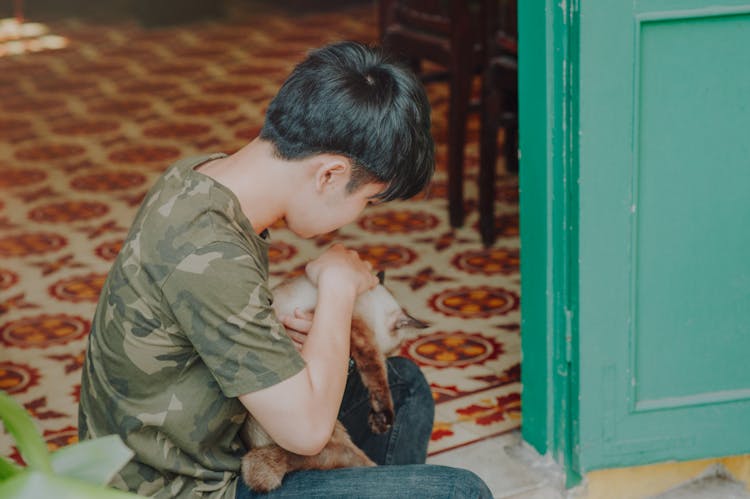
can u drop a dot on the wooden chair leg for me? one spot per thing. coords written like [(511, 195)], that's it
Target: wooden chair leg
[(511, 144), (491, 106), (460, 83)]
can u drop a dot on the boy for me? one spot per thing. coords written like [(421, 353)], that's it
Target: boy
[(184, 342)]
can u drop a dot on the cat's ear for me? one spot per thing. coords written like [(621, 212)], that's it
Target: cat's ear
[(407, 321), (381, 277)]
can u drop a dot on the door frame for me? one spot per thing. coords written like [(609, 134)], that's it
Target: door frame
[(548, 173)]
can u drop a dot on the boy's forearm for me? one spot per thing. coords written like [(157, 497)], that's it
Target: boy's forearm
[(326, 350)]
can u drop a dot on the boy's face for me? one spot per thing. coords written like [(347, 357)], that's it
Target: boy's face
[(330, 209)]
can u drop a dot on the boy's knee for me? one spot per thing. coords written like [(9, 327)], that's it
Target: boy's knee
[(410, 374), (406, 368), (455, 483), (467, 484)]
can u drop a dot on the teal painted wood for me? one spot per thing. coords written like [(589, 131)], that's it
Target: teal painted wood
[(661, 324), (546, 206), (533, 132)]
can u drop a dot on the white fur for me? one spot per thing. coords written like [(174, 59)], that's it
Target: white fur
[(377, 308)]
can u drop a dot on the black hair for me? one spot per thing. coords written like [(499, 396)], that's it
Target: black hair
[(352, 99)]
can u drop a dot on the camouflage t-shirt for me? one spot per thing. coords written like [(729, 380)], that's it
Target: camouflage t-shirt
[(183, 326)]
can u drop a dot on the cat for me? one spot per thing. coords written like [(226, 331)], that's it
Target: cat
[(379, 324)]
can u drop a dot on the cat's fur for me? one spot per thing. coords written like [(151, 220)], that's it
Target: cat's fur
[(378, 326)]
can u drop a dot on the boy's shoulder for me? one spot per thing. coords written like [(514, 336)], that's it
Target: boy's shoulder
[(185, 212)]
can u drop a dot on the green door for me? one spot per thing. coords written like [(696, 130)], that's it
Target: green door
[(635, 192)]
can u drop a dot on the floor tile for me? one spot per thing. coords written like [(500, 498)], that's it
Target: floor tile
[(488, 458)]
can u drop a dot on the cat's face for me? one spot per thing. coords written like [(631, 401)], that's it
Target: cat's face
[(387, 319)]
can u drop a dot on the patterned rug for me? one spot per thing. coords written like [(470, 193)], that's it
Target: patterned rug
[(85, 130)]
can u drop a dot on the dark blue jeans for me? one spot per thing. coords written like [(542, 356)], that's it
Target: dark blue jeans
[(400, 453)]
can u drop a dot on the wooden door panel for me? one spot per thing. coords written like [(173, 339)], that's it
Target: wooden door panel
[(691, 210), (662, 317)]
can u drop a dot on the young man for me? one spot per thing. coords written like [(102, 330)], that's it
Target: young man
[(184, 342)]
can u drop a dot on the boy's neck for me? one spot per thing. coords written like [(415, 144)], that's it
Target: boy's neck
[(258, 180)]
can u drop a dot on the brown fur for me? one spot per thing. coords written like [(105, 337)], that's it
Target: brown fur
[(372, 369), (264, 468)]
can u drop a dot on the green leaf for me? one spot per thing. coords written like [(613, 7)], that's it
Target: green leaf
[(93, 461), (36, 484), (7, 469), (28, 440)]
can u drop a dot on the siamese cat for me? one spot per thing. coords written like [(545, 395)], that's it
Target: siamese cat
[(379, 324)]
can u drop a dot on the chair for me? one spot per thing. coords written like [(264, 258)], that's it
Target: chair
[(447, 33), (499, 107)]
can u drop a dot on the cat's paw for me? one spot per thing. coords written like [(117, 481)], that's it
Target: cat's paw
[(261, 471), (380, 421)]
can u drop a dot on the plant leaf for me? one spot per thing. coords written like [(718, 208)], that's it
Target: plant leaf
[(31, 484), (94, 461), (7, 469), (28, 440)]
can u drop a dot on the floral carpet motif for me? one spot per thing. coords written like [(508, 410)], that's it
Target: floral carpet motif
[(86, 129)]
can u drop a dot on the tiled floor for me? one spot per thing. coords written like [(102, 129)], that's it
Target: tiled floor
[(512, 470), (708, 487), (506, 476), (84, 131)]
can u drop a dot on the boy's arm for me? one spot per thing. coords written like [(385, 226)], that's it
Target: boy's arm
[(299, 413)]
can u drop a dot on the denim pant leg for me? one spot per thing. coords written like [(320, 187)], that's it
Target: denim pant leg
[(406, 442), (413, 481)]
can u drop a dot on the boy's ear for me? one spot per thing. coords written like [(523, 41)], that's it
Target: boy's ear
[(331, 170)]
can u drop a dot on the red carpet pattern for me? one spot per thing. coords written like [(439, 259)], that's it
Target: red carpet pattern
[(86, 129)]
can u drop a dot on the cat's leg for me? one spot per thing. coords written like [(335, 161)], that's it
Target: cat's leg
[(371, 364), (264, 468)]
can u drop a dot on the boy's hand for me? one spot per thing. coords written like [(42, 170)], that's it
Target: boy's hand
[(342, 267), (297, 326)]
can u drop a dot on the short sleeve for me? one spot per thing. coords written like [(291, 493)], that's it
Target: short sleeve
[(220, 299)]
